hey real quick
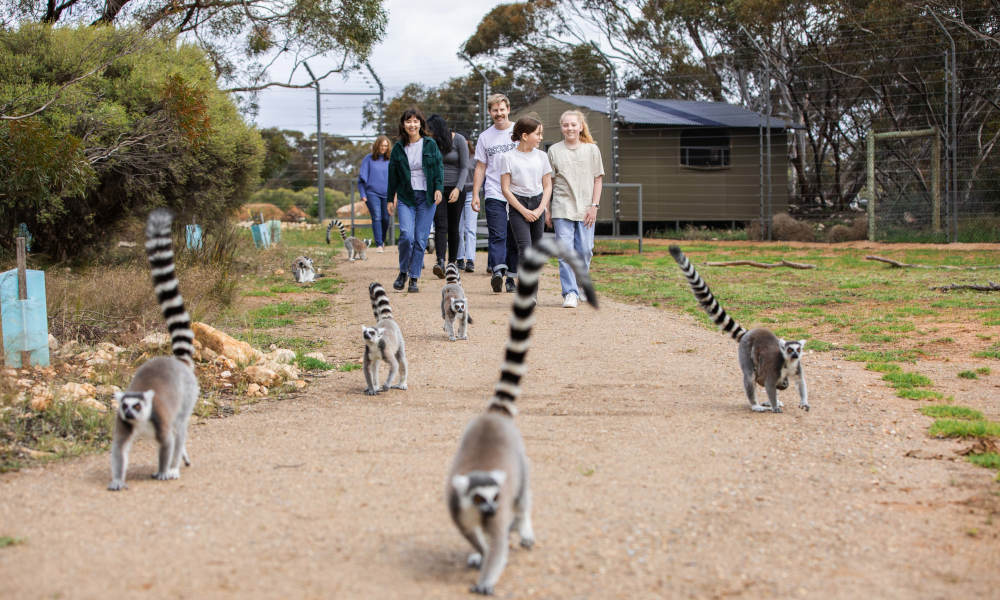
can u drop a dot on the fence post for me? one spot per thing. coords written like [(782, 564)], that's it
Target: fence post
[(871, 185)]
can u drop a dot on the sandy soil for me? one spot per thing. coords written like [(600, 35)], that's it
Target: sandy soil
[(652, 478)]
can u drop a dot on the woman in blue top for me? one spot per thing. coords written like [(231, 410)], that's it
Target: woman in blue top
[(416, 185), (373, 183)]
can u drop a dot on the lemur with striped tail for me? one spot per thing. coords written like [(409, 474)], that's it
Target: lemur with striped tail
[(454, 305), (164, 390), (355, 248), (383, 342), (765, 358), (487, 489)]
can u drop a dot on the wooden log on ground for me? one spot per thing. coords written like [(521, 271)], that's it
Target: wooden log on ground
[(989, 287), (752, 263), (900, 265)]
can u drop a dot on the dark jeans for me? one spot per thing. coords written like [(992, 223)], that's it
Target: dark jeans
[(380, 217), (526, 234), (447, 218)]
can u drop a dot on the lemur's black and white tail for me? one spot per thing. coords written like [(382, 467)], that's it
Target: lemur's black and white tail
[(343, 231), (451, 274), (508, 388), (705, 298), (380, 301), (159, 249)]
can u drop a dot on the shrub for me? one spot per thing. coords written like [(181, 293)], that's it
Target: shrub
[(783, 228), (857, 230)]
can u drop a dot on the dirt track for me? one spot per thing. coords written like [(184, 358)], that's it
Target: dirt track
[(652, 478)]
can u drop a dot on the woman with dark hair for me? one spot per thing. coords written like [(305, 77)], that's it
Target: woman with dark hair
[(373, 184), (415, 187), (448, 216), (467, 229)]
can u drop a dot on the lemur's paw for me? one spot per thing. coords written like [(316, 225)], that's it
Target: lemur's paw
[(804, 406), (371, 392), (475, 559), (527, 542), (485, 590)]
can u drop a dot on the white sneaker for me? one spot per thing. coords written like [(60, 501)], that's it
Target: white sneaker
[(380, 250), (571, 300)]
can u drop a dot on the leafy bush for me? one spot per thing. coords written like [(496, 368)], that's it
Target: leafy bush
[(149, 127)]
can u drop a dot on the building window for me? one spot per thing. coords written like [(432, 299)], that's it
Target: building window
[(705, 148)]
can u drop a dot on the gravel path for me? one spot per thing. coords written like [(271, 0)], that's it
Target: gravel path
[(652, 478)]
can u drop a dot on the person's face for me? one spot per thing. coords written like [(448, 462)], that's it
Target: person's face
[(383, 146), (570, 126), (412, 127), (499, 112), (533, 139)]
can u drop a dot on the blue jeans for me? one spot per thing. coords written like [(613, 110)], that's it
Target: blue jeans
[(467, 231), (581, 239), (380, 217), (414, 229), (496, 223)]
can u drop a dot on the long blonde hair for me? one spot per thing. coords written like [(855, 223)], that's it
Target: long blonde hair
[(585, 136), (378, 142)]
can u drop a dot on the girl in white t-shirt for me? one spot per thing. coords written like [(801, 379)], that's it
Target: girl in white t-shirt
[(526, 183)]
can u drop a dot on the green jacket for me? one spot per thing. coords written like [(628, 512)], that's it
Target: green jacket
[(399, 172)]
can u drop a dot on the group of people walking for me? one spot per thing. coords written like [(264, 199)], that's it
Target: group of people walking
[(434, 175)]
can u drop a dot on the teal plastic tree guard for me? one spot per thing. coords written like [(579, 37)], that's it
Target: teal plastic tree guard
[(275, 226), (25, 322), (261, 235), (193, 237)]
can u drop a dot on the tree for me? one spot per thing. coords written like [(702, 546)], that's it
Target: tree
[(290, 161), (243, 39), (150, 129)]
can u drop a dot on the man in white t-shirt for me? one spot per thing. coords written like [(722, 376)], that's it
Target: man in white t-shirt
[(502, 250)]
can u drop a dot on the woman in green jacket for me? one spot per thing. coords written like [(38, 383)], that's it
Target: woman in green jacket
[(416, 184)]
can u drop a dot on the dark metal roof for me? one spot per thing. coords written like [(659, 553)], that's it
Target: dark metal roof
[(692, 113)]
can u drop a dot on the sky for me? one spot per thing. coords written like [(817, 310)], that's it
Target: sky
[(419, 46)]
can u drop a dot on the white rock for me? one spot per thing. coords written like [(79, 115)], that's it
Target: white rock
[(155, 340), (107, 390), (94, 404), (110, 348), (260, 375), (226, 374), (53, 343), (77, 391)]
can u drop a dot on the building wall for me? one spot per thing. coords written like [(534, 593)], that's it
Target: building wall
[(651, 156)]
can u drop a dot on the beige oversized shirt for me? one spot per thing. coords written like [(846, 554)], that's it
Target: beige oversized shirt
[(573, 174)]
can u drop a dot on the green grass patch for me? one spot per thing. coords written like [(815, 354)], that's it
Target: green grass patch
[(348, 367), (964, 429), (819, 346), (285, 288), (259, 293), (327, 285), (311, 363), (968, 375), (991, 352), (880, 367), (6, 540), (917, 394), (990, 460), (947, 411), (263, 340), (983, 370), (883, 356), (877, 338), (901, 379)]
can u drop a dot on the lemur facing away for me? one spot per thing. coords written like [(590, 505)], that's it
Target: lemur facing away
[(454, 305), (384, 342), (303, 270), (765, 358), (164, 390), (487, 491), (355, 248)]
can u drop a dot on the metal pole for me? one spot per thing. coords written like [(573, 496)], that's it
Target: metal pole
[(319, 148), (871, 185), (381, 98), (951, 98), (770, 188), (485, 91), (640, 218), (936, 182), (22, 292)]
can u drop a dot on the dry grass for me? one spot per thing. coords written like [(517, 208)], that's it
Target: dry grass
[(784, 228), (856, 231)]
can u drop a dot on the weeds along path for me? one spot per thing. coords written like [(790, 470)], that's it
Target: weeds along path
[(652, 478)]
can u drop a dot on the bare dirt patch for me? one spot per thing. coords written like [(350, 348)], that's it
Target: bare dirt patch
[(652, 477)]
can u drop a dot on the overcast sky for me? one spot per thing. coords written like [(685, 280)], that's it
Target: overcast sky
[(419, 46)]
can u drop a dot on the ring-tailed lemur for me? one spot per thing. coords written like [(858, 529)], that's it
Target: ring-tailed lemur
[(487, 489), (454, 306), (302, 270), (383, 342), (164, 390), (765, 358), (355, 248)]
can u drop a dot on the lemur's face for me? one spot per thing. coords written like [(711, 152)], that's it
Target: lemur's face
[(458, 305), (479, 490), (792, 351), (134, 406), (372, 335)]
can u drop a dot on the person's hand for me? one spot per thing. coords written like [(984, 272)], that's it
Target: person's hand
[(548, 220), (364, 199), (538, 212), (392, 208), (475, 204), (437, 197), (529, 215), (453, 196)]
